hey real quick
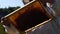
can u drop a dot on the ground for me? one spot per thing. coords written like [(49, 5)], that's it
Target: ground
[(2, 30)]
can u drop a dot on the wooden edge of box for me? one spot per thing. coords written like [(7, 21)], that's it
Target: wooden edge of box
[(38, 25), (19, 9)]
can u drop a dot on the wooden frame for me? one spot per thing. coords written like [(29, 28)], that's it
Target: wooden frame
[(32, 5)]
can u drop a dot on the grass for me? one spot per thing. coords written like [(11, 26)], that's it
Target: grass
[(1, 29)]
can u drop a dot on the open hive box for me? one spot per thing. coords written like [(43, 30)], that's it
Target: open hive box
[(28, 17)]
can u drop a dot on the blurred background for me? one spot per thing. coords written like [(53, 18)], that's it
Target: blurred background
[(56, 7), (8, 6)]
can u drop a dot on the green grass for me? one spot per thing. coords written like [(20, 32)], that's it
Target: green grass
[(1, 29)]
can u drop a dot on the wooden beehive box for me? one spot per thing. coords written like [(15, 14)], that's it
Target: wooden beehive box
[(28, 17)]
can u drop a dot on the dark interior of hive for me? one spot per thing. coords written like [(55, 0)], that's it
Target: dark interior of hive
[(31, 17)]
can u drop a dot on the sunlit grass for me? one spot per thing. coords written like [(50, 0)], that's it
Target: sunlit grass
[(1, 29)]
